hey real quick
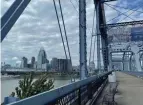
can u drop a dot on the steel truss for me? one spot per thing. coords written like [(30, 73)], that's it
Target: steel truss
[(121, 24)]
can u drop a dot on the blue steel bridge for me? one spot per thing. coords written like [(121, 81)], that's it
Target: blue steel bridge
[(119, 44)]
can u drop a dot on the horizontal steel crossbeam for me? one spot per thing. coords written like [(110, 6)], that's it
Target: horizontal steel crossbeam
[(107, 0), (122, 24)]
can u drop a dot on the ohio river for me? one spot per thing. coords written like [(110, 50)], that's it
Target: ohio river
[(8, 85)]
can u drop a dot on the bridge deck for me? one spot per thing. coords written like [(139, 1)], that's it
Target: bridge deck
[(130, 90)]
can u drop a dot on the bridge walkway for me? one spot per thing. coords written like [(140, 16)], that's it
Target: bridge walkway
[(130, 90)]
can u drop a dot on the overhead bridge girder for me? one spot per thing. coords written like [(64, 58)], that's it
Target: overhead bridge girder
[(122, 24), (107, 0)]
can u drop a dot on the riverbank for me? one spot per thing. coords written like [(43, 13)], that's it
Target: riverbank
[(9, 83), (58, 77), (7, 77)]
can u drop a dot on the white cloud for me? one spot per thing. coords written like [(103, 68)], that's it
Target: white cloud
[(14, 58), (37, 27), (18, 62)]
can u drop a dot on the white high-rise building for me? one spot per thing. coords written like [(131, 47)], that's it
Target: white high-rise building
[(42, 58)]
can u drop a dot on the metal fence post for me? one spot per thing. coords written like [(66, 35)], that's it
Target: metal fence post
[(79, 97)]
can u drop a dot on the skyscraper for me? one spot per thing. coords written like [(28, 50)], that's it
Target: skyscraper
[(32, 62), (54, 64), (61, 65), (69, 65), (42, 58), (64, 65), (24, 62)]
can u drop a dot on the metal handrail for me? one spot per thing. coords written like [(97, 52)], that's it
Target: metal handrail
[(50, 97)]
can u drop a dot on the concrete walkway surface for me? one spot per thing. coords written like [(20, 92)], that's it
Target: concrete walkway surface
[(130, 90)]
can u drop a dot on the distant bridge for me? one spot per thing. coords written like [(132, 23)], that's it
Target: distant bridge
[(36, 72)]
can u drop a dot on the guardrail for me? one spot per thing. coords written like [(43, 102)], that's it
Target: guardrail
[(77, 93)]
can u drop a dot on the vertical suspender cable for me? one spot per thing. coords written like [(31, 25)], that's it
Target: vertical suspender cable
[(90, 49), (94, 48), (91, 37), (60, 29)]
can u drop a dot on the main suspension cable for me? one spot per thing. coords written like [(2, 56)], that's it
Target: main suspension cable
[(60, 28), (65, 31), (94, 48)]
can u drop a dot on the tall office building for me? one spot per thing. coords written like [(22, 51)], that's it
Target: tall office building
[(61, 65), (69, 65), (54, 64), (24, 62), (42, 59), (32, 62), (64, 65)]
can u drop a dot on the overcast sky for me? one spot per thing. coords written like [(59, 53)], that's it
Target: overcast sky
[(37, 27)]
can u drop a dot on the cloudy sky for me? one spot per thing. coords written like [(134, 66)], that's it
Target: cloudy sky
[(37, 27)]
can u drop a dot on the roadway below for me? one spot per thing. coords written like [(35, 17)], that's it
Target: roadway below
[(130, 90)]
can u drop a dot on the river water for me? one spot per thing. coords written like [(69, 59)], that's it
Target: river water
[(8, 85)]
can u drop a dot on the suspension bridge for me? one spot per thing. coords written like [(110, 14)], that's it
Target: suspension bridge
[(119, 44)]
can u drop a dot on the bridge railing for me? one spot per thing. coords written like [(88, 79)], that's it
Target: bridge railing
[(77, 93)]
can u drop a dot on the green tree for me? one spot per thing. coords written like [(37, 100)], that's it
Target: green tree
[(29, 87)]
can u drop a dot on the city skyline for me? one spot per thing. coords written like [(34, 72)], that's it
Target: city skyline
[(25, 39), (38, 63), (29, 60)]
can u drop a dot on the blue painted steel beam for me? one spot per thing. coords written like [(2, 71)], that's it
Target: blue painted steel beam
[(122, 24), (9, 13), (123, 51), (102, 31), (11, 16), (107, 0)]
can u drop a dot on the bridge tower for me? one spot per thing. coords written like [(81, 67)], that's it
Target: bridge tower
[(101, 34), (82, 39)]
